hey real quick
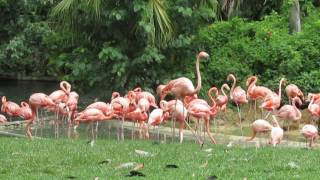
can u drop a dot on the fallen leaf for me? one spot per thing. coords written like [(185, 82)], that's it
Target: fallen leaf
[(204, 165), (230, 144), (107, 161), (135, 173), (171, 166), (71, 177), (293, 165), (144, 153), (138, 167), (212, 177), (208, 150), (126, 165)]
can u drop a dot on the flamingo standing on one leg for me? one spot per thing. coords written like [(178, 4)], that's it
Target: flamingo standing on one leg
[(238, 95), (272, 101), (310, 132), (72, 104), (9, 107), (3, 119), (292, 91), (182, 87), (255, 92), (156, 117)]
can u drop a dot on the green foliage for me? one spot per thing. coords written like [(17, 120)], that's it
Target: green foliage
[(265, 49)]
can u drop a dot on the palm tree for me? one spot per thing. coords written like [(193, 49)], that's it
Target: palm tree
[(154, 17)]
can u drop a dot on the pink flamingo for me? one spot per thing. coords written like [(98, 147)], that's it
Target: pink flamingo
[(293, 91), (272, 101), (313, 107), (290, 112), (156, 117), (139, 94), (9, 107), (62, 94), (255, 92), (36, 101), (259, 126), (139, 116), (221, 100), (183, 86), (3, 119), (310, 132), (102, 106), (144, 104), (177, 111), (25, 112), (238, 95), (276, 133), (91, 115), (72, 104)]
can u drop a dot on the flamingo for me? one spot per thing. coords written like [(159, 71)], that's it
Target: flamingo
[(272, 101), (276, 134), (313, 107), (221, 100), (293, 91), (36, 101), (9, 107), (177, 111), (61, 95), (255, 92), (310, 132), (139, 94), (183, 86), (72, 104), (91, 115), (3, 119), (259, 126), (140, 116), (156, 117), (290, 112), (238, 95), (25, 112), (102, 106)]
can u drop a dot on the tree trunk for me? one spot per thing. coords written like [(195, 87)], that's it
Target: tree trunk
[(295, 24)]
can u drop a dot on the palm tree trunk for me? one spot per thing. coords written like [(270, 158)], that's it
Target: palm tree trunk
[(295, 23)]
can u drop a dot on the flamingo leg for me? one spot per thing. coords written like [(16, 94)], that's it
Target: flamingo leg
[(122, 129), (28, 129), (213, 141), (239, 113), (97, 124), (255, 109), (173, 118), (193, 132), (181, 131)]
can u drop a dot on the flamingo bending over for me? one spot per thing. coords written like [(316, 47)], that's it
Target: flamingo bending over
[(238, 95), (156, 117), (310, 132), (292, 91), (259, 126), (25, 112), (9, 107)]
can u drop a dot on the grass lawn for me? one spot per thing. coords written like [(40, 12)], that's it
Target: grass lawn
[(75, 159)]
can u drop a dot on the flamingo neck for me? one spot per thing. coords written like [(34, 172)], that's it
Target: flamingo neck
[(223, 87), (280, 85), (215, 90), (197, 90), (233, 85), (252, 83)]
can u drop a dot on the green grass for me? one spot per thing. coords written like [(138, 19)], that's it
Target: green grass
[(59, 159)]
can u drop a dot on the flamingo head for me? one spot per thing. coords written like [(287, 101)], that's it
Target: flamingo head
[(231, 77), (203, 55), (250, 80), (115, 95), (137, 89)]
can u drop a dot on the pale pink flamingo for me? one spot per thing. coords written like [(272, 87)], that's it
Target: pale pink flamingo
[(272, 101), (255, 92), (290, 112), (259, 126), (9, 107), (310, 132), (3, 119), (139, 94), (238, 95), (72, 104), (276, 134), (91, 115), (313, 107), (36, 101), (62, 94), (177, 111), (292, 91), (144, 104), (156, 117), (182, 87), (25, 112), (102, 106), (221, 100)]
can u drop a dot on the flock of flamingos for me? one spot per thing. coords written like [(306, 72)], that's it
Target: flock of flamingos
[(141, 107)]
